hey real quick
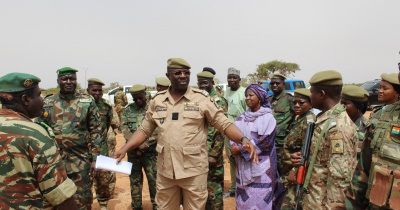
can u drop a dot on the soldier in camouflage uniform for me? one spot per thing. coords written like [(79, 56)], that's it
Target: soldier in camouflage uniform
[(120, 101), (333, 149), (145, 156), (75, 120), (294, 143), (282, 108), (32, 172), (379, 163), (215, 146), (104, 183)]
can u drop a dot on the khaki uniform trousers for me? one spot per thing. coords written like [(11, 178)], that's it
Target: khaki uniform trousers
[(193, 190)]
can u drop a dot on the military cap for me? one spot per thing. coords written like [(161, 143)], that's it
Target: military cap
[(391, 78), (302, 92), (95, 81), (137, 88), (355, 93), (233, 71), (65, 71), (205, 75), (15, 82), (329, 77), (278, 76), (177, 63), (209, 69), (163, 81)]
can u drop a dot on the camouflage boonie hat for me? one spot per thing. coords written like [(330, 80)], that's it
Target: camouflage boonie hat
[(233, 71), (302, 92), (355, 93), (391, 78), (95, 81), (209, 69), (328, 78), (177, 63), (163, 81), (137, 89), (278, 76), (15, 82), (205, 75), (65, 71)]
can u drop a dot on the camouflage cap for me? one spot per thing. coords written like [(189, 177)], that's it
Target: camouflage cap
[(302, 92), (234, 71), (15, 82), (355, 93), (137, 89), (163, 81), (177, 63), (65, 71), (95, 81), (278, 76), (209, 69), (205, 75), (329, 77), (391, 78)]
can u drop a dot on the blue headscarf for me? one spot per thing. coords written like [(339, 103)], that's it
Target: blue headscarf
[(261, 93)]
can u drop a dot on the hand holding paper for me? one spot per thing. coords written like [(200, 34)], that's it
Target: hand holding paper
[(110, 164)]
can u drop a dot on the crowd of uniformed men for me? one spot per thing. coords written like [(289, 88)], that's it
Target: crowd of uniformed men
[(49, 146)]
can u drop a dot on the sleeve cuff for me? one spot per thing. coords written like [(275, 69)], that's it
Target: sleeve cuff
[(61, 193)]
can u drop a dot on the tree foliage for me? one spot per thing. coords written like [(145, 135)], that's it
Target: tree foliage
[(265, 70)]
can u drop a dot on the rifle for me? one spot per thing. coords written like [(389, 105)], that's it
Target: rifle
[(305, 155)]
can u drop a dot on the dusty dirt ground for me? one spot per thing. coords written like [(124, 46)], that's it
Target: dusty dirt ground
[(122, 196)]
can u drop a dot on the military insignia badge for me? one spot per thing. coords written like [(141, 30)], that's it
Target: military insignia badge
[(191, 106), (45, 114), (28, 83), (161, 121), (337, 146)]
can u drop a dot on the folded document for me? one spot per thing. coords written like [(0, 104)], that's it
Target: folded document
[(110, 164)]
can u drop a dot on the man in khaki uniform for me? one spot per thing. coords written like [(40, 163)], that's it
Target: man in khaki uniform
[(183, 115)]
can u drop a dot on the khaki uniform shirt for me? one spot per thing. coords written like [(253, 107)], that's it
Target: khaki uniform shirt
[(182, 131)]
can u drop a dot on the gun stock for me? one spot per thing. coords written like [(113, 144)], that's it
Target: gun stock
[(305, 154)]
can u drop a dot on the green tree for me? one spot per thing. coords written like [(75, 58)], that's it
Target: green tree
[(265, 70)]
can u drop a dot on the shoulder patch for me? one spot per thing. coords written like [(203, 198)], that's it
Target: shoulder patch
[(337, 146), (204, 92)]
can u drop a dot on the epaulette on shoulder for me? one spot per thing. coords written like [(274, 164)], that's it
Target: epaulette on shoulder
[(376, 109), (48, 96), (48, 100), (204, 92), (159, 93)]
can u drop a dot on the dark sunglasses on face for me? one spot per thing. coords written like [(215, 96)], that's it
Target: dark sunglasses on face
[(178, 73), (275, 83), (301, 103)]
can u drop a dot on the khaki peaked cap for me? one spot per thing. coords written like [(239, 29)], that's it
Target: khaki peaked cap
[(205, 75), (391, 78), (137, 89), (355, 93), (278, 76), (95, 81), (163, 81), (178, 63), (302, 92), (329, 77)]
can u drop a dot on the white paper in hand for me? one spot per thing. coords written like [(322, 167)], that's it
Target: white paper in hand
[(110, 164)]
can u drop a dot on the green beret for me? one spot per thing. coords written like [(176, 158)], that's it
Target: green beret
[(329, 77), (278, 76), (355, 93), (137, 88), (177, 63), (233, 71), (65, 71), (205, 75), (302, 92), (163, 81), (391, 78), (95, 81), (15, 82)]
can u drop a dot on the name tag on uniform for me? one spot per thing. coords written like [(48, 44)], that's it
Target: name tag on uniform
[(191, 106), (161, 109)]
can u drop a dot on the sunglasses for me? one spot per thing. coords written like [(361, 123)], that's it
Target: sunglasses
[(178, 73), (301, 103), (275, 83)]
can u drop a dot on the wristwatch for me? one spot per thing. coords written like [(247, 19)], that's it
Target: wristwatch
[(244, 137)]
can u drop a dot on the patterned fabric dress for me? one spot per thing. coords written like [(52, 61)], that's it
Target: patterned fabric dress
[(257, 185)]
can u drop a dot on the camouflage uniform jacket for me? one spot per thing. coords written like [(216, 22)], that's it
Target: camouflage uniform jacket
[(132, 118), (106, 114), (295, 139), (215, 148), (76, 122), (335, 160), (282, 108), (31, 169), (120, 99)]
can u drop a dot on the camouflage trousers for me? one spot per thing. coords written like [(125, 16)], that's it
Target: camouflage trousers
[(119, 109), (83, 196), (104, 183), (215, 187), (232, 165), (147, 161), (279, 156)]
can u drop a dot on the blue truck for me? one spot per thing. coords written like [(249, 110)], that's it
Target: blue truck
[(290, 85)]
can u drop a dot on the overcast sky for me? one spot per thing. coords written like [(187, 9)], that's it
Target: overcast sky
[(130, 41)]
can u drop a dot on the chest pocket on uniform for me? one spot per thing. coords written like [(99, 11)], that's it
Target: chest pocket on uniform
[(191, 156), (132, 122), (159, 118), (192, 121)]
